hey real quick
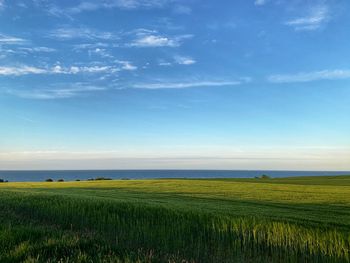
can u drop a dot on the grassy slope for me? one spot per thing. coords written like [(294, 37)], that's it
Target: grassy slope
[(316, 199), (313, 202)]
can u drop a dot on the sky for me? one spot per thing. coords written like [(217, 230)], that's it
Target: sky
[(175, 84)]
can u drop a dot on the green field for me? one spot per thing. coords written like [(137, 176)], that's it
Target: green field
[(303, 219)]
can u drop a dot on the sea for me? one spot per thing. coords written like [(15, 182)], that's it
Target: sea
[(72, 175)]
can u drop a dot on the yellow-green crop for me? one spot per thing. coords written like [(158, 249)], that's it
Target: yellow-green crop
[(222, 220)]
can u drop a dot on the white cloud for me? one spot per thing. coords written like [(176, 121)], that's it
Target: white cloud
[(260, 2), (57, 69), (154, 41), (311, 76), (126, 65), (37, 49), (317, 17), (84, 33), (97, 69), (164, 63), (183, 85), (83, 69), (4, 39), (148, 38), (184, 60), (21, 70), (91, 45)]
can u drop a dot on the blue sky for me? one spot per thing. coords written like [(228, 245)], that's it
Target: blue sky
[(175, 84)]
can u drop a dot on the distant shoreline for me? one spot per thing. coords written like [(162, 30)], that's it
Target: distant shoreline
[(73, 175)]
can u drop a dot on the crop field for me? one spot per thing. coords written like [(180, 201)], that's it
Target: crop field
[(302, 219)]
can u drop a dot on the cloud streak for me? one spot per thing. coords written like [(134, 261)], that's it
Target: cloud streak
[(37, 49), (26, 70), (5, 39), (311, 76), (317, 17), (88, 6), (184, 85), (68, 33), (69, 91), (22, 70)]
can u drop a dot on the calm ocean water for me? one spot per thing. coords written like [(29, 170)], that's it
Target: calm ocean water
[(38, 176)]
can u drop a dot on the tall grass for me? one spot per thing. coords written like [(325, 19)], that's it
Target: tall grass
[(148, 233)]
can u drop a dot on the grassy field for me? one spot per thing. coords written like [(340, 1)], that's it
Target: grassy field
[(303, 219)]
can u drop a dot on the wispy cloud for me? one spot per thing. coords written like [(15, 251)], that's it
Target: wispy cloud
[(182, 9), (21, 70), (86, 6), (126, 65), (83, 69), (181, 60), (2, 4), (57, 69), (311, 76), (154, 41), (90, 6), (5, 39), (90, 45), (100, 52), (4, 52), (164, 63), (183, 85), (37, 49), (150, 38), (67, 91), (318, 15), (25, 50), (260, 2), (67, 33)]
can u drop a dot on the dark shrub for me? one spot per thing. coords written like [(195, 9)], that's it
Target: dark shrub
[(102, 178), (49, 180), (60, 180), (264, 176)]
